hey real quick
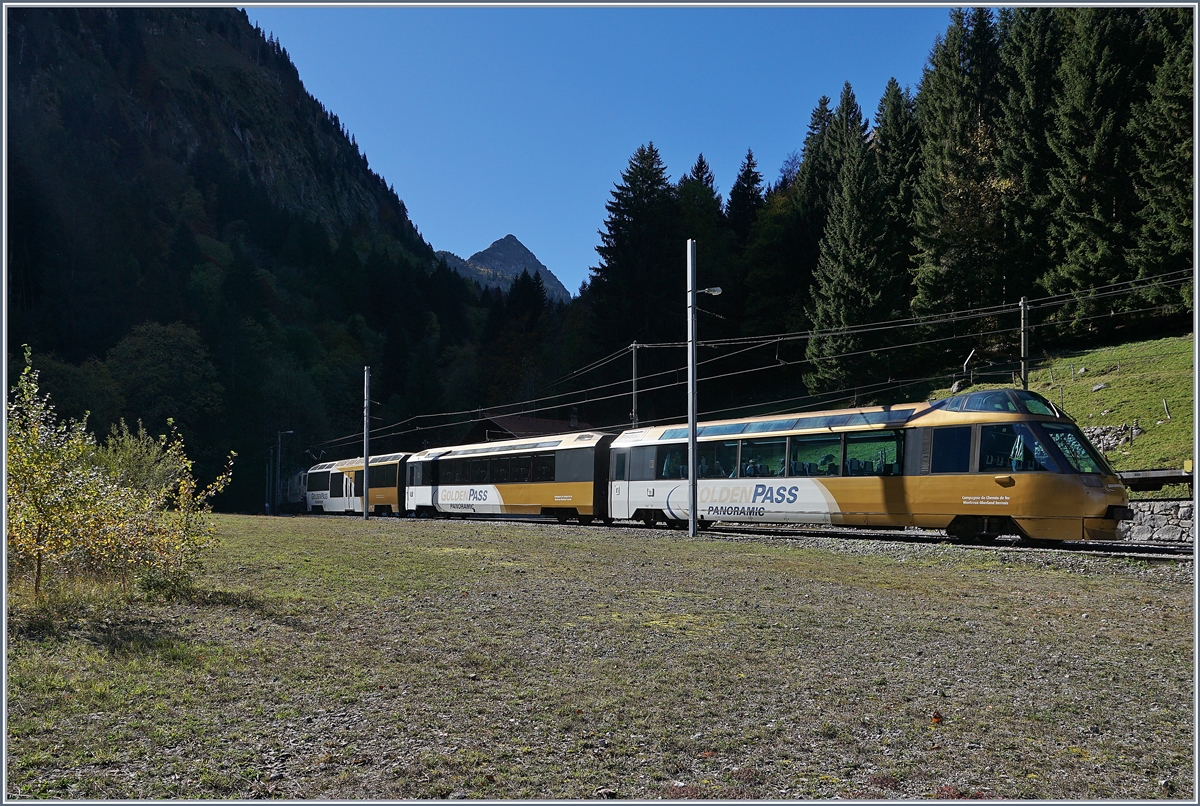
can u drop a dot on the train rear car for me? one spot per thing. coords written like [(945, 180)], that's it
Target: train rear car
[(978, 465), (560, 476), (338, 486)]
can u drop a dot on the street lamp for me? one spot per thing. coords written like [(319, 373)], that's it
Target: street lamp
[(691, 360), (278, 464)]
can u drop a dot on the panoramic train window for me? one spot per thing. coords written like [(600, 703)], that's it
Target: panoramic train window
[(335, 484), (383, 476), (1035, 403), (1012, 447), (1074, 445), (641, 463), (672, 462), (817, 455), (480, 472), (717, 460), (318, 482), (521, 469), (875, 453), (498, 469), (951, 450), (763, 457), (543, 467), (997, 400)]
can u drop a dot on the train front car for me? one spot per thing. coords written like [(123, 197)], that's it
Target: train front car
[(561, 476), (1009, 458), (978, 465)]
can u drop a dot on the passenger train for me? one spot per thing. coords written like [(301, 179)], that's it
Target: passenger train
[(979, 465)]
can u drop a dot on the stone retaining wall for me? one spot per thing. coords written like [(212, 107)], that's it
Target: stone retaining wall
[(1165, 521)]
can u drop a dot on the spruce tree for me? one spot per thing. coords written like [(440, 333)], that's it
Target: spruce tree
[(1096, 204), (745, 201), (849, 286), (784, 243), (1162, 132), (1029, 56), (702, 217), (637, 290), (895, 147), (957, 203)]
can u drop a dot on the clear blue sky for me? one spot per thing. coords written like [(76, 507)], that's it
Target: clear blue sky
[(490, 121)]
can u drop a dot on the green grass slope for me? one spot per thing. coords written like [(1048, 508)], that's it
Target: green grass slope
[(1135, 379)]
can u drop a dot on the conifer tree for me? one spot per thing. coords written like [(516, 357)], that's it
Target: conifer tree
[(957, 203), (849, 283), (745, 200), (702, 217), (1029, 55), (1162, 132), (895, 147), (784, 243), (1096, 204), (637, 290)]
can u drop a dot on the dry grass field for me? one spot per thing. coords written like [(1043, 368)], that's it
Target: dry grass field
[(331, 658)]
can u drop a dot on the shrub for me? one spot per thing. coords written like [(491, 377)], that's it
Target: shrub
[(129, 510)]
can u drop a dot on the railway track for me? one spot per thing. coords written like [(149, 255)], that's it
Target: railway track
[(1175, 551)]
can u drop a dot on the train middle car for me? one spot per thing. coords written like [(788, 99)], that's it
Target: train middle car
[(563, 476)]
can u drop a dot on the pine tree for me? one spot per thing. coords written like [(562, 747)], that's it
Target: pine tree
[(1029, 54), (1162, 132), (745, 201), (957, 203), (1096, 205), (849, 285)]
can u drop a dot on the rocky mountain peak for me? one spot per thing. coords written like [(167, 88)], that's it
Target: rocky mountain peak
[(502, 262)]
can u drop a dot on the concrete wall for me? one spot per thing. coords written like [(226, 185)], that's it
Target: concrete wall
[(1166, 521)]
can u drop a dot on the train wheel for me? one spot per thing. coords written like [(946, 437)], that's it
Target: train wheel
[(585, 520), (650, 519), (561, 517), (704, 524)]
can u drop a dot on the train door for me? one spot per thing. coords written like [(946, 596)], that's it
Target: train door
[(618, 502)]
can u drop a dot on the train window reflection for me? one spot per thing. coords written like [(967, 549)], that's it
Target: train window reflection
[(717, 460), (1075, 446), (1012, 447), (818, 455), (521, 470), (877, 453), (998, 400), (763, 457)]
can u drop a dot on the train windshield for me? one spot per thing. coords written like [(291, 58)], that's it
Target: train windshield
[(1036, 404), (1075, 447)]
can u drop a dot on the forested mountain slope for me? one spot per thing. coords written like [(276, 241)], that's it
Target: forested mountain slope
[(192, 235)]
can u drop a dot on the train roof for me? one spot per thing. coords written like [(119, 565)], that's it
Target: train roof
[(356, 463), (965, 408), (577, 439)]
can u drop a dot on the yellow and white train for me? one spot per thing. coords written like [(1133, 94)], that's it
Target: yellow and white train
[(979, 464)]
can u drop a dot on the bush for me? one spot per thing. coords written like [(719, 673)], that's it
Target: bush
[(127, 511)]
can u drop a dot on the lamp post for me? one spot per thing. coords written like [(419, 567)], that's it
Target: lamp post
[(691, 360), (278, 465)]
